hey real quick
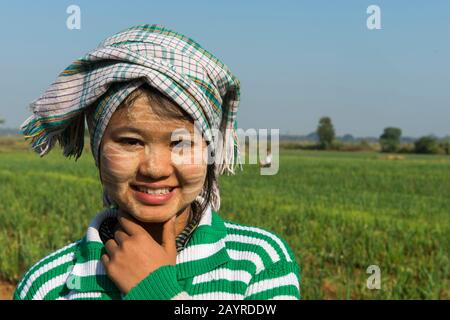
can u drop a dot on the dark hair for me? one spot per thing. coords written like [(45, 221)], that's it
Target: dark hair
[(165, 108)]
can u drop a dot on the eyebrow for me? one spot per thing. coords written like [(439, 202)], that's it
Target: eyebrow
[(120, 130), (127, 129)]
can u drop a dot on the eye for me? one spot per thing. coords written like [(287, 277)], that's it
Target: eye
[(182, 143), (130, 141)]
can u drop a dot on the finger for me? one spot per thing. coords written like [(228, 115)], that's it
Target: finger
[(169, 238), (120, 236), (111, 246), (129, 224), (105, 260)]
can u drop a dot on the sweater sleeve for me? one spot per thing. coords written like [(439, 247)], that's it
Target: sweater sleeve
[(161, 284), (280, 280)]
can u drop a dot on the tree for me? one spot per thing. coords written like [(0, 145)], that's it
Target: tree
[(2, 121), (390, 139), (426, 144), (348, 138), (326, 132), (445, 145)]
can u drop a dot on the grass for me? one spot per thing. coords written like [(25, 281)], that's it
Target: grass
[(340, 212)]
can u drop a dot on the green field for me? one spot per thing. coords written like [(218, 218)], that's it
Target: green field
[(340, 212)]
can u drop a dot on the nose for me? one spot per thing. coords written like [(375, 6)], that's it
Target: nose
[(156, 163)]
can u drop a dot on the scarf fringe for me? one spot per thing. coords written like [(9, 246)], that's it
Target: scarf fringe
[(229, 153), (43, 135), (230, 158)]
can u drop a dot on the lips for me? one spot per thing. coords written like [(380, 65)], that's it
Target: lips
[(152, 196)]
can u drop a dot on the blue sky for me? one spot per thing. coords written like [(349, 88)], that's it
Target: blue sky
[(297, 60)]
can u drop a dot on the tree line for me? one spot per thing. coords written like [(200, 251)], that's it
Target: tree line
[(389, 140)]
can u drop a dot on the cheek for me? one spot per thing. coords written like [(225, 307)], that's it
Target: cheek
[(192, 177), (192, 169), (117, 165)]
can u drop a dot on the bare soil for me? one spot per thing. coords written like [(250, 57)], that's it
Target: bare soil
[(6, 290)]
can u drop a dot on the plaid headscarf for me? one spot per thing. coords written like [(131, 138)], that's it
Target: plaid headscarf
[(172, 63)]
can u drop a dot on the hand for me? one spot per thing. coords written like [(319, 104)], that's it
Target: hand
[(133, 253)]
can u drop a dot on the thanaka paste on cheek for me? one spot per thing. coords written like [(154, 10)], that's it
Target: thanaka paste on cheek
[(117, 167)]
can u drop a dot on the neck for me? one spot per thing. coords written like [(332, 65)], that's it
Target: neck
[(183, 218)]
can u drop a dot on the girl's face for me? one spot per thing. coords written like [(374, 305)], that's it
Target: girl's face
[(136, 159)]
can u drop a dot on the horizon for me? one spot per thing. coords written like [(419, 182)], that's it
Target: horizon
[(6, 131)]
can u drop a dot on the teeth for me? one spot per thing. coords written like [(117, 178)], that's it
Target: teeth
[(154, 191)]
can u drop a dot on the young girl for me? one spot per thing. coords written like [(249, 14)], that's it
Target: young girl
[(146, 93)]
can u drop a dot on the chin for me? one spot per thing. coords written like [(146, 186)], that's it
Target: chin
[(152, 214)]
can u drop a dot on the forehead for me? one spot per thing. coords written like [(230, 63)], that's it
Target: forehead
[(142, 116)]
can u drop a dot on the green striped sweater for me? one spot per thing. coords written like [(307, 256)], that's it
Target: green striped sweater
[(221, 260)]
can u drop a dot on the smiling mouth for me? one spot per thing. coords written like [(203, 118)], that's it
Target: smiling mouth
[(153, 191), (153, 196)]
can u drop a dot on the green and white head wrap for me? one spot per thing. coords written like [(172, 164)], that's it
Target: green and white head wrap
[(170, 62)]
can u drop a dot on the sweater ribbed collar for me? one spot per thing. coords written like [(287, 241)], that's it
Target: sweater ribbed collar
[(204, 251)]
